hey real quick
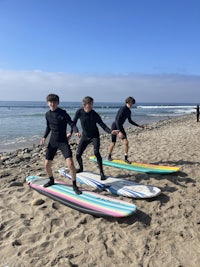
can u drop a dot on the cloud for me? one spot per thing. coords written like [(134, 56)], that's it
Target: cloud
[(35, 85)]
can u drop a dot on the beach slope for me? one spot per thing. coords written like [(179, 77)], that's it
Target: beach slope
[(37, 231)]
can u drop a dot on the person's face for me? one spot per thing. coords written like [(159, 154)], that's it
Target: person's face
[(130, 104), (88, 107), (53, 105)]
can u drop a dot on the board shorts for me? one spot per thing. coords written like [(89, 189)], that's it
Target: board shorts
[(114, 137), (52, 149)]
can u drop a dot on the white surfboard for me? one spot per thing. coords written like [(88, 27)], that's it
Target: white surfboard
[(116, 186)]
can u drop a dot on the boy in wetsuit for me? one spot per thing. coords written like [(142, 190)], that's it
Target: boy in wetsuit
[(57, 120), (89, 120), (122, 114)]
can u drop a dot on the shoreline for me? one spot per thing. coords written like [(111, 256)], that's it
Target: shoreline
[(130, 128), (36, 231)]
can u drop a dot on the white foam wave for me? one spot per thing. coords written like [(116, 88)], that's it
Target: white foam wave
[(166, 107)]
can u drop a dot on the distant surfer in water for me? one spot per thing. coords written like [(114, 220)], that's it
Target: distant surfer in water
[(56, 123), (122, 114), (89, 119)]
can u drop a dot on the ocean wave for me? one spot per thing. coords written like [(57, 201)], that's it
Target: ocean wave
[(162, 115), (165, 107)]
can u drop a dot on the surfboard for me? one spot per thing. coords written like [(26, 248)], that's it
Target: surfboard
[(88, 202), (116, 186), (138, 166)]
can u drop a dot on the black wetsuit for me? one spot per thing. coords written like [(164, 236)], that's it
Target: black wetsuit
[(57, 121), (197, 108), (90, 134), (122, 114)]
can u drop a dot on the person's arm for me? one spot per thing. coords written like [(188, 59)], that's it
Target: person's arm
[(72, 124), (76, 117), (46, 133), (132, 122), (102, 124)]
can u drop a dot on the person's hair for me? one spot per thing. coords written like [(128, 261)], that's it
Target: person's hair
[(130, 99), (87, 100), (53, 98)]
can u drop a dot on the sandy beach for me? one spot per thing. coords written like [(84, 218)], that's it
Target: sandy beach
[(36, 231)]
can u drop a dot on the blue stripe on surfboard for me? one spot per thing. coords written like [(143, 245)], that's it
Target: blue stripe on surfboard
[(126, 192), (131, 192), (98, 201)]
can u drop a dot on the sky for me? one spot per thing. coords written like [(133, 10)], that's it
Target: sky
[(107, 49)]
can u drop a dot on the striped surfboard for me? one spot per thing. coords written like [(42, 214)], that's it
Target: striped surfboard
[(116, 186), (138, 166), (88, 202)]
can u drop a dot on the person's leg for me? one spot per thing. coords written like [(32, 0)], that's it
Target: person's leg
[(112, 145), (81, 148), (48, 164), (113, 142), (125, 141), (67, 154), (70, 165), (126, 151), (50, 153), (96, 144)]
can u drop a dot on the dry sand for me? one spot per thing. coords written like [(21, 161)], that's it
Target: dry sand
[(165, 231)]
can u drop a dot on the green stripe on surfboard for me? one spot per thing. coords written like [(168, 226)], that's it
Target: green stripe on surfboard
[(138, 166)]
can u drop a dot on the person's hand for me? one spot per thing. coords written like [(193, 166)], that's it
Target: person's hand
[(120, 135), (78, 135), (68, 135), (115, 132), (42, 142)]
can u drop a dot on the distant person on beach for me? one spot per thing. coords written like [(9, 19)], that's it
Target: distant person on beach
[(89, 119), (56, 123), (122, 114), (197, 112)]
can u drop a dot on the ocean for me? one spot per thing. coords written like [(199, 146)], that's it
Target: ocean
[(22, 123)]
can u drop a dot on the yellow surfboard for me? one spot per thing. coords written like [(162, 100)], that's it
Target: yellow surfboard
[(138, 166)]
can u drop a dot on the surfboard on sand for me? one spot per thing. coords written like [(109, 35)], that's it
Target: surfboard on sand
[(113, 185), (87, 202), (138, 166)]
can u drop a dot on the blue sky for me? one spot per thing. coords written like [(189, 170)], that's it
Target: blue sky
[(108, 49)]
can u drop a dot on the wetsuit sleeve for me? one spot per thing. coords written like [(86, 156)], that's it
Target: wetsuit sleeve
[(132, 122), (102, 124), (72, 124), (47, 131), (76, 117)]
